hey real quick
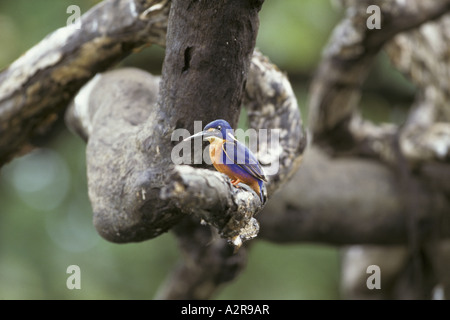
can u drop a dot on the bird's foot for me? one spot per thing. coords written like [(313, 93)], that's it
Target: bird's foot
[(235, 182)]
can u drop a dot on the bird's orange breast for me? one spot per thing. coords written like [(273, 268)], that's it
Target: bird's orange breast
[(216, 155)]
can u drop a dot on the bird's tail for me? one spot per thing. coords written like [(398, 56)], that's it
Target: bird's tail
[(261, 194)]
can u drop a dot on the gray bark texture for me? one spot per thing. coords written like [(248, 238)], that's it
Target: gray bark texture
[(413, 158), (135, 189), (379, 191), (41, 83)]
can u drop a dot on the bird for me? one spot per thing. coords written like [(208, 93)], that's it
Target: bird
[(231, 157)]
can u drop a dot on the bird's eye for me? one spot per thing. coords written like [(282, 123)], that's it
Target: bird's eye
[(219, 127)]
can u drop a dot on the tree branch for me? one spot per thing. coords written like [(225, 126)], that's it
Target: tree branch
[(323, 204), (136, 191), (272, 105), (336, 89), (424, 57), (147, 186), (113, 127), (207, 263), (43, 81)]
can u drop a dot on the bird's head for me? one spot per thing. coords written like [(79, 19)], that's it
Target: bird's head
[(217, 129)]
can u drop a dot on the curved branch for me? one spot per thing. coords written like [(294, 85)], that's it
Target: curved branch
[(423, 55), (149, 187), (148, 193), (114, 133), (43, 81), (272, 105), (336, 89)]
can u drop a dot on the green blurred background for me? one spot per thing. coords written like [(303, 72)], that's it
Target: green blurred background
[(45, 214)]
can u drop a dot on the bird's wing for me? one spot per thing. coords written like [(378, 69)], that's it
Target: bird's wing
[(240, 155)]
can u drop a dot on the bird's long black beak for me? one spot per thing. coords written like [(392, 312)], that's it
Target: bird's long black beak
[(206, 134)]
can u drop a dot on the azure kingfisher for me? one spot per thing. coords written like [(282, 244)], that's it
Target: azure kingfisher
[(231, 157)]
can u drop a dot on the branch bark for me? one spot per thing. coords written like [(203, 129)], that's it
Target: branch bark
[(127, 117), (338, 211), (136, 191), (336, 89), (207, 263), (171, 192), (417, 153), (115, 133), (37, 86), (149, 194), (424, 57)]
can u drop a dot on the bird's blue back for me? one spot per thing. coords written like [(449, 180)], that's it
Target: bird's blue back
[(241, 159)]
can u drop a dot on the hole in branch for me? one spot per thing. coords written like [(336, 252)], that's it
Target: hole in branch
[(187, 59)]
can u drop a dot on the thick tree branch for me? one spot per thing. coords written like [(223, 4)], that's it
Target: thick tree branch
[(336, 210), (149, 193), (424, 57), (112, 128), (137, 192), (418, 212), (272, 105), (42, 82), (336, 89)]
